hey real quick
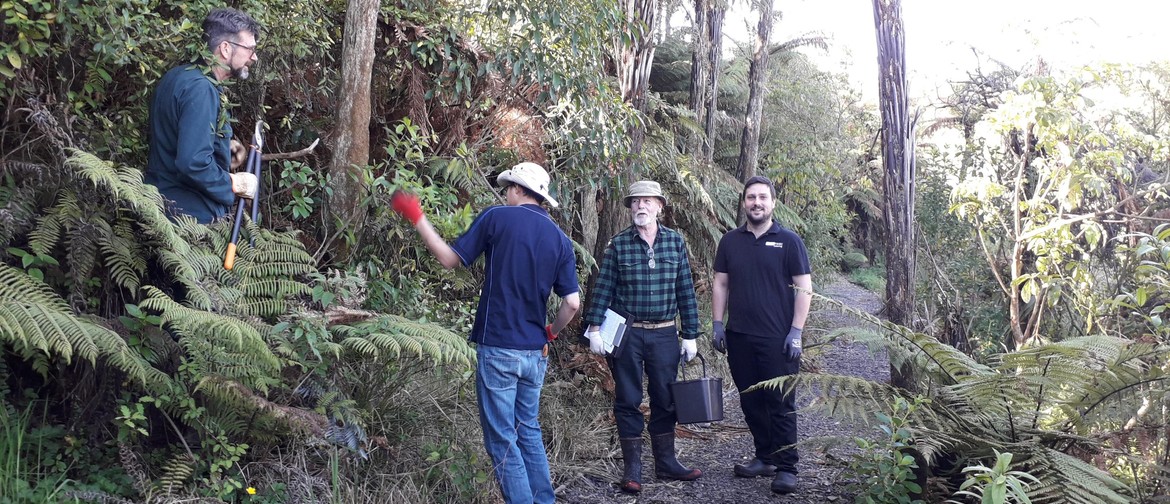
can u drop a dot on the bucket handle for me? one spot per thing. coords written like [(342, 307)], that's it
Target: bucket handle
[(682, 365)]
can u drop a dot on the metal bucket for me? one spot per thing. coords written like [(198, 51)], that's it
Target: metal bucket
[(699, 400)]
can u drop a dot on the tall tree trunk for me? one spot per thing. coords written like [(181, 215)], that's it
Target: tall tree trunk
[(634, 64), (699, 57), (715, 27), (898, 159), (633, 67), (352, 137), (636, 60), (749, 144), (664, 10)]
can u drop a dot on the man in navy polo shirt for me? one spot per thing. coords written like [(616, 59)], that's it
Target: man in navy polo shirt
[(756, 267), (525, 257)]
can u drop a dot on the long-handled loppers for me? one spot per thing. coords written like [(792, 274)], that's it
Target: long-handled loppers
[(252, 166)]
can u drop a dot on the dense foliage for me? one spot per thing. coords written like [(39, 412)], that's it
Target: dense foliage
[(308, 374)]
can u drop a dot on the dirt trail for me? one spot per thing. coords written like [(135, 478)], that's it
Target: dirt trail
[(716, 447)]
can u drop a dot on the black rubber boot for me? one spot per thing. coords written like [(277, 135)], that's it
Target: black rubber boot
[(784, 483), (632, 458), (666, 466)]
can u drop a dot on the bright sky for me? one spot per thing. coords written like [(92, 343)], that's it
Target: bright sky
[(941, 33)]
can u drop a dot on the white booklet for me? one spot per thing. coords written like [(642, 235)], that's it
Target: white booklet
[(613, 328)]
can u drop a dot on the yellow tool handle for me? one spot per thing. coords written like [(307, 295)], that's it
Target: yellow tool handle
[(229, 259)]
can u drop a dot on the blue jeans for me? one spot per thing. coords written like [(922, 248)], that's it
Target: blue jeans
[(507, 386)]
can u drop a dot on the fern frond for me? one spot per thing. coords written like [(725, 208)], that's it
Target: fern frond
[(836, 394), (1064, 478), (1090, 375), (393, 336), (32, 317), (455, 172), (82, 256), (125, 260), (947, 363), (49, 228), (219, 333), (176, 472)]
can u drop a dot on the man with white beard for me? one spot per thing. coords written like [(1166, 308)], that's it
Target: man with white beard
[(756, 267), (646, 277), (192, 151)]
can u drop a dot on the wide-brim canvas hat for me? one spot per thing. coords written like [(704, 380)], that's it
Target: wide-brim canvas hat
[(643, 188), (530, 175)]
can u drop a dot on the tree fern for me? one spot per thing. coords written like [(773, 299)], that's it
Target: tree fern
[(219, 344), (33, 319), (1035, 403), (225, 345)]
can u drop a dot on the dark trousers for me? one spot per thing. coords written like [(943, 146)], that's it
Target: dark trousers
[(770, 414), (656, 352)]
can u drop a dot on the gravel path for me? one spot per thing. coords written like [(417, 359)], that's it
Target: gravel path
[(715, 447)]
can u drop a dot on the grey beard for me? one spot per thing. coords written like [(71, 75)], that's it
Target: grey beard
[(241, 73)]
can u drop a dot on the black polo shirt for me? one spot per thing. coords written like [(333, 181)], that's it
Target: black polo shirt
[(760, 297)]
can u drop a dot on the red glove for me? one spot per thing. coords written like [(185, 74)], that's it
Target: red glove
[(548, 332), (406, 205)]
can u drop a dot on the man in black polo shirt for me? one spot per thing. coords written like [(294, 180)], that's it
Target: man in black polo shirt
[(756, 266)]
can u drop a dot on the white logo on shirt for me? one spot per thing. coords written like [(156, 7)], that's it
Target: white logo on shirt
[(774, 244)]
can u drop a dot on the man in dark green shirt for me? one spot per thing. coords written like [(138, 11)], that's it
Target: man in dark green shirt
[(191, 147), (646, 276)]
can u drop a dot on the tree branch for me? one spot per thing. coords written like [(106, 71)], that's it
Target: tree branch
[(1073, 220), (290, 155)]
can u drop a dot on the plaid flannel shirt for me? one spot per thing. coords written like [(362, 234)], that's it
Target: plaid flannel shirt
[(627, 282)]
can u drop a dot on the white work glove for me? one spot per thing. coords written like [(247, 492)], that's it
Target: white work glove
[(595, 344), (245, 185), (689, 349)]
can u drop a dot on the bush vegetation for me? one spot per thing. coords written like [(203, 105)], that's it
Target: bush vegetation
[(331, 364)]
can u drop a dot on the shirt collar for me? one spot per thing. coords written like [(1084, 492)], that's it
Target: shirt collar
[(772, 230), (633, 232), (536, 207)]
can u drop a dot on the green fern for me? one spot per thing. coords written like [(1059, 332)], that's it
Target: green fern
[(218, 354), (35, 321), (392, 336), (176, 472), (1036, 404)]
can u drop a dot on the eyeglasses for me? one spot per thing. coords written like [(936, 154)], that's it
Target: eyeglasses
[(650, 252), (251, 48)]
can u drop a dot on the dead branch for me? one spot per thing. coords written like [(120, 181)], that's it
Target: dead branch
[(343, 315), (290, 155)]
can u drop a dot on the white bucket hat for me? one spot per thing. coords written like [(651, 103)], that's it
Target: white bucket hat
[(529, 175)]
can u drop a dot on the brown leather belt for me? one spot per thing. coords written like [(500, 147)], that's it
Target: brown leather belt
[(645, 324)]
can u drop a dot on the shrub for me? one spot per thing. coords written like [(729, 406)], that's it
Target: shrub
[(884, 467)]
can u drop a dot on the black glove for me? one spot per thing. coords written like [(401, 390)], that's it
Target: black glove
[(793, 343), (718, 337)]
